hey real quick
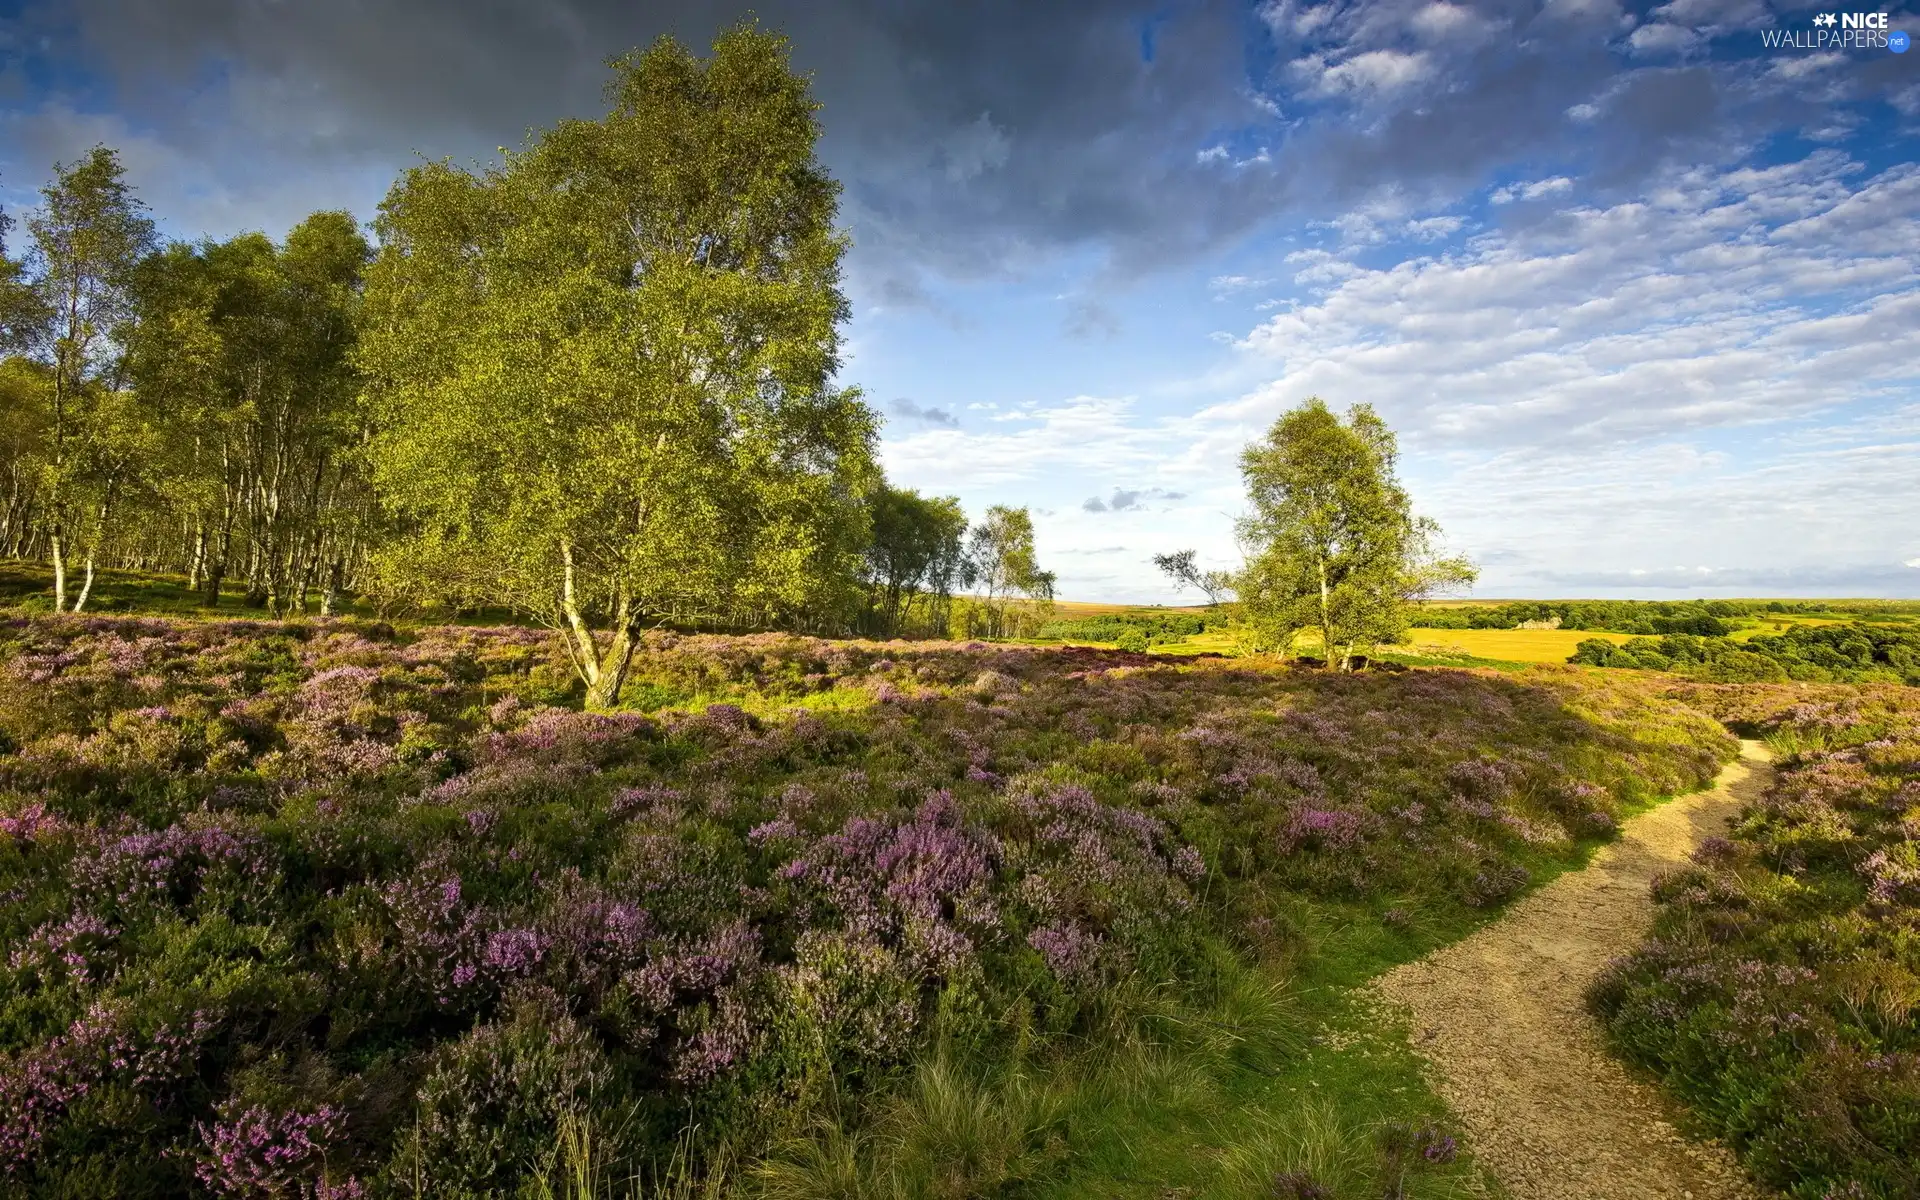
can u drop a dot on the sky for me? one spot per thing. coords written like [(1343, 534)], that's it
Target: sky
[(1638, 287)]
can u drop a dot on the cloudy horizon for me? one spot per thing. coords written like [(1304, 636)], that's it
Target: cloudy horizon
[(1640, 294)]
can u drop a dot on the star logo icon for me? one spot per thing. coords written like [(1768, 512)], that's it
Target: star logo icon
[(1827, 19)]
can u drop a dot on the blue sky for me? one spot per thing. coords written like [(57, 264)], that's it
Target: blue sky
[(1641, 295)]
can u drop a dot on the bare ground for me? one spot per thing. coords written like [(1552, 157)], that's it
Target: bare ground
[(1501, 1020)]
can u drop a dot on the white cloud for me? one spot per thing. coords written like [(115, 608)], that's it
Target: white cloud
[(1652, 41), (1537, 190), (1716, 14), (1368, 73), (1431, 229), (1440, 20), (1795, 67)]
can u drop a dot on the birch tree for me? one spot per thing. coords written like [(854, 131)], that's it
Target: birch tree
[(1006, 565), (917, 554), (601, 369), (242, 358), (1332, 541), (88, 235)]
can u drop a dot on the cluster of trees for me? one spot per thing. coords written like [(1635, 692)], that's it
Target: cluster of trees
[(1132, 630), (923, 555), (1331, 544), (593, 382), (1851, 653), (1705, 618), (184, 406)]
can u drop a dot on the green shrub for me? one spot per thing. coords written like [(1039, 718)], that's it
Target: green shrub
[(1779, 992)]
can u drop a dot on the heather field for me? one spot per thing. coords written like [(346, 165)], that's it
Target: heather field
[(1780, 992), (338, 909)]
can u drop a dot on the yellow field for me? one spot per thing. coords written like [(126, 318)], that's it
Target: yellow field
[(1511, 645), (1507, 645)]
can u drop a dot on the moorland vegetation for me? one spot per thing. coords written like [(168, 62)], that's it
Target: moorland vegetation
[(592, 384), (1779, 994), (340, 907), (359, 910)]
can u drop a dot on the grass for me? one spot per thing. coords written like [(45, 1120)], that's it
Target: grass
[(1288, 1066), (1212, 1098)]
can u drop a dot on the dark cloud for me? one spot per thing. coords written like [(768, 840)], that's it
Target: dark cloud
[(1128, 500), (916, 414), (974, 139)]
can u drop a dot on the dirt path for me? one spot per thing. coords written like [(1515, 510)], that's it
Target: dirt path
[(1502, 1021)]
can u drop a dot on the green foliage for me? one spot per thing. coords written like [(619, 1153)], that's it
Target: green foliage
[(1154, 628), (1708, 618), (1005, 566), (493, 1103), (1856, 652), (1333, 543), (89, 234), (241, 362), (916, 559), (1779, 992), (601, 370)]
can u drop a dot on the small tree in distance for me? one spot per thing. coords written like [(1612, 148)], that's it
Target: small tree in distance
[(1003, 563), (1332, 542), (917, 554), (1182, 566)]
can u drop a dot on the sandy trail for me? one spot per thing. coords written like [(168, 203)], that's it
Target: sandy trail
[(1502, 1021)]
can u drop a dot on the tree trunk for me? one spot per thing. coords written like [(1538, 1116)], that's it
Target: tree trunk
[(93, 544), (1326, 616), (59, 571), (86, 588), (330, 596), (198, 559), (604, 692), (603, 673)]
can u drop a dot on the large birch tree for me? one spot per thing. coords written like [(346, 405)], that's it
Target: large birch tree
[(602, 368), (89, 234), (1332, 542)]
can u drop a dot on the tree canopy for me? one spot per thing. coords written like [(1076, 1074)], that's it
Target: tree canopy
[(917, 556), (89, 234), (602, 369), (1005, 564), (594, 380), (1332, 541)]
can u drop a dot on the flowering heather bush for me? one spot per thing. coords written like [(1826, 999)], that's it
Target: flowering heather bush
[(1780, 991), (297, 909)]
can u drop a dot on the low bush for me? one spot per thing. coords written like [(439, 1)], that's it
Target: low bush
[(1137, 629), (336, 907), (1854, 653), (1780, 992)]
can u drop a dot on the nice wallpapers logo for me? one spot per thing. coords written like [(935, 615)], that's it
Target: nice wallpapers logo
[(1840, 31)]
